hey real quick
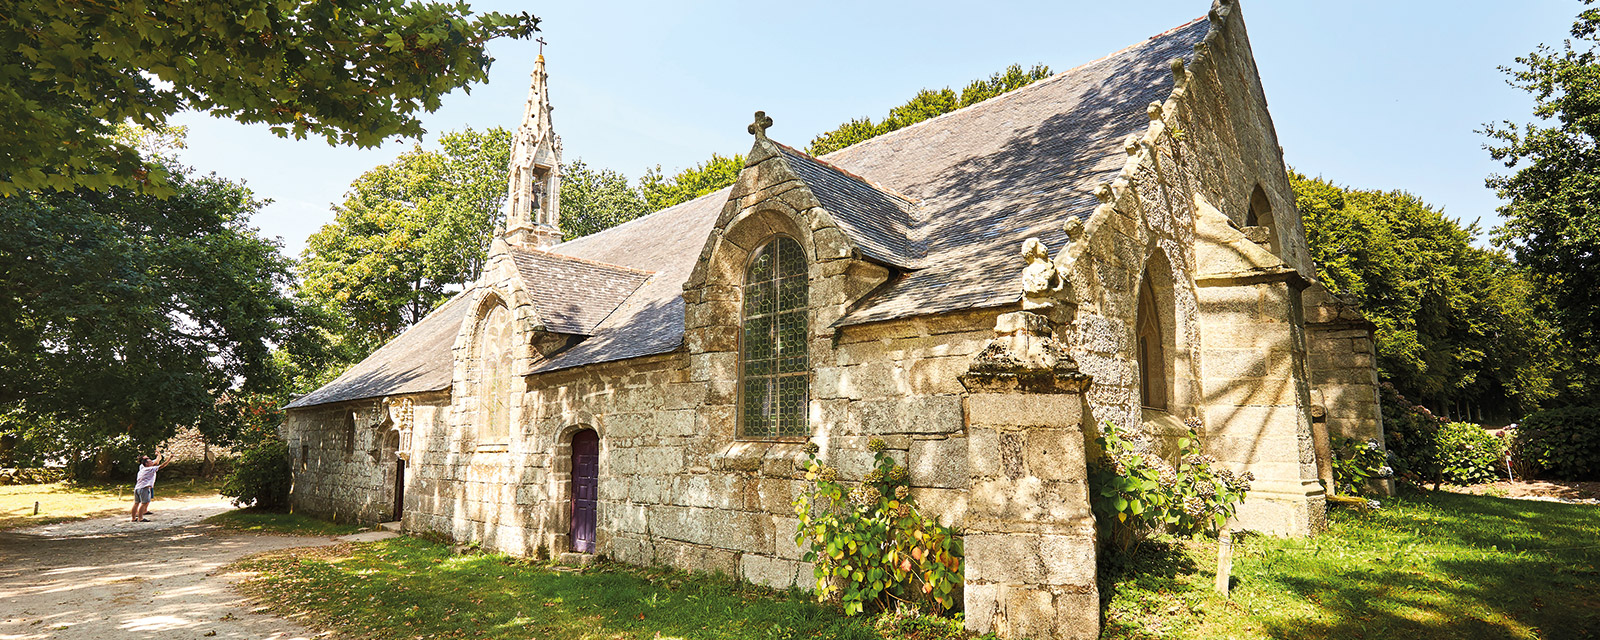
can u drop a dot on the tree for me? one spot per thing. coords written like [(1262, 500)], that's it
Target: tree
[(661, 191), (408, 234), (124, 316), (596, 200), (350, 72), (1553, 211), (1454, 322)]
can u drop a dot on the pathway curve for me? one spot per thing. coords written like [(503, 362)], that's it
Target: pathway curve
[(111, 578)]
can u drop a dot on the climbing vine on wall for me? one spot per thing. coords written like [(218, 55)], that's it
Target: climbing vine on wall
[(869, 545)]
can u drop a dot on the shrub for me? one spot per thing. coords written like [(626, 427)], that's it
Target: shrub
[(261, 476), (1563, 443), (1357, 463), (869, 545), (1469, 455), (1135, 493), (1412, 433)]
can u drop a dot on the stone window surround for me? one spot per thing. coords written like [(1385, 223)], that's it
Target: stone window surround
[(486, 305), (1161, 275)]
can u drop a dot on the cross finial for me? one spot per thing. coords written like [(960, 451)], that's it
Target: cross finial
[(541, 42), (759, 127)]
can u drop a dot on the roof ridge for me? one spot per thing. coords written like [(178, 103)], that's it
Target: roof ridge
[(647, 215), (850, 174), (1000, 99), (563, 256)]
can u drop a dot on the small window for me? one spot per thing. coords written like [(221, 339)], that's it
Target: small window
[(775, 382), (1152, 353), (305, 456), (349, 434), (1260, 215)]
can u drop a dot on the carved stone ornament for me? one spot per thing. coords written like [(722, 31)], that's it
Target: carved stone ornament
[(1042, 284), (1024, 357)]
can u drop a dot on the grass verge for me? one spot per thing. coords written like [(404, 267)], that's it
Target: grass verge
[(63, 501), (1436, 565), (408, 587), (285, 523)]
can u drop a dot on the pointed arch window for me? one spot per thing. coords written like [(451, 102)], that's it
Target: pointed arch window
[(1260, 215), (774, 384), (1152, 352), (494, 376)]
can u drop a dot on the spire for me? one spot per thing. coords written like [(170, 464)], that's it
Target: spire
[(533, 200)]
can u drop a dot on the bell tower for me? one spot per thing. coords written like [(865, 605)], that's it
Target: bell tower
[(533, 202)]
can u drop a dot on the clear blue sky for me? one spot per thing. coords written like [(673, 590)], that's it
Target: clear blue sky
[(1368, 94)]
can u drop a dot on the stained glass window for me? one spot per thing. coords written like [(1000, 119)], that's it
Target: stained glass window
[(494, 371), (775, 382)]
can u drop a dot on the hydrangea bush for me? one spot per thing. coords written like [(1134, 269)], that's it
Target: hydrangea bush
[(1356, 464), (1469, 455), (869, 546), (1562, 443), (1135, 492)]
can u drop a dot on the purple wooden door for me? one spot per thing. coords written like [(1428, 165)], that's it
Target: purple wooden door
[(585, 488)]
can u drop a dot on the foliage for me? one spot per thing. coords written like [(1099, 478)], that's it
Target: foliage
[(351, 72), (1135, 493), (1412, 433), (407, 587), (661, 191), (124, 314), (927, 104), (408, 234), (1455, 322), (1552, 215), (1470, 455), (1356, 464), (869, 545), (1433, 566), (261, 478), (1564, 443), (908, 623), (595, 200)]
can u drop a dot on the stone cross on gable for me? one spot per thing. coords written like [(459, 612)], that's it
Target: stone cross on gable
[(759, 127)]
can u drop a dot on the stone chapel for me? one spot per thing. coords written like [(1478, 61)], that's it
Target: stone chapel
[(1116, 243)]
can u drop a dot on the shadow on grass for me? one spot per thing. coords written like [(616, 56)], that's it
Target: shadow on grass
[(1439, 565), (407, 587), (285, 523)]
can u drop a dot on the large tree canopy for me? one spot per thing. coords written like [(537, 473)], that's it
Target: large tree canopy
[(351, 72), (1553, 215), (408, 234), (126, 315), (1454, 322), (595, 200)]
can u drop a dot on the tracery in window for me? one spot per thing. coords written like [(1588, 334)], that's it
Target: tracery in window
[(775, 384), (494, 376)]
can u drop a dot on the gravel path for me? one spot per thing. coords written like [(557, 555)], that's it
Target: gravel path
[(111, 578)]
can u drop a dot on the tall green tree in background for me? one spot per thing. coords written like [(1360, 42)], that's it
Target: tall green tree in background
[(1553, 215), (124, 316), (408, 235), (661, 191), (1454, 322), (593, 200), (350, 72)]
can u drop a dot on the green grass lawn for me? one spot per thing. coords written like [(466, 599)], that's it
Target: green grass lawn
[(408, 587), (1438, 565), (1424, 567), (288, 523), (64, 501)]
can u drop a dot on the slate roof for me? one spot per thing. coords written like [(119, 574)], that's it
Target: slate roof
[(948, 200), (418, 360), (879, 220), (573, 295)]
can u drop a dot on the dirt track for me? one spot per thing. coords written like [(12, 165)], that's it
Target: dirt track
[(110, 578)]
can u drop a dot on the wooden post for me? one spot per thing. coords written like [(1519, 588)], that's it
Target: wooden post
[(1224, 560), (35, 507)]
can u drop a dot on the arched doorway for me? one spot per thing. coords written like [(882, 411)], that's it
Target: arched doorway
[(585, 488)]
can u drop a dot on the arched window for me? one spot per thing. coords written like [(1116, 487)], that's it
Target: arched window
[(494, 376), (1260, 215), (1152, 352), (774, 382)]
